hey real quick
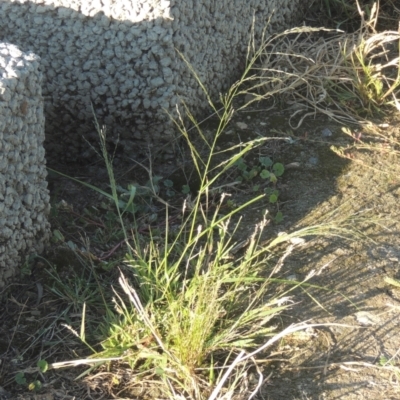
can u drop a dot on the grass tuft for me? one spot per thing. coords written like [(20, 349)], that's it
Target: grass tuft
[(191, 303)]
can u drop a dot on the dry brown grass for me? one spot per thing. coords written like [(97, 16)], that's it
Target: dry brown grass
[(349, 77)]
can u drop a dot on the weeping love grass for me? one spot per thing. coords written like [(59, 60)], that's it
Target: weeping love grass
[(192, 304), (193, 311), (202, 307), (349, 77)]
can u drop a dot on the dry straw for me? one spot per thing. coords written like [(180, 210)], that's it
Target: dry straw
[(346, 76)]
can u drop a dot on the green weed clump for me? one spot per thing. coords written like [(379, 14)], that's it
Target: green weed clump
[(35, 384)]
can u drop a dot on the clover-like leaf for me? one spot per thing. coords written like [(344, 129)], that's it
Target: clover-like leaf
[(20, 378), (265, 161), (273, 198), (241, 164), (43, 365), (278, 169), (168, 183), (35, 385), (185, 189)]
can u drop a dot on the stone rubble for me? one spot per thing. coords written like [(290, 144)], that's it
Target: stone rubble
[(121, 56), (24, 198), (121, 59)]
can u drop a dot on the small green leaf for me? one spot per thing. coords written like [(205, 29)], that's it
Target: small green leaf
[(185, 189), (20, 378), (170, 193), (273, 198), (156, 179), (58, 236), (168, 183), (241, 164), (43, 365), (273, 178), (256, 188), (382, 361), (278, 169), (253, 173), (265, 174), (35, 385), (121, 204), (268, 191), (265, 161), (279, 217)]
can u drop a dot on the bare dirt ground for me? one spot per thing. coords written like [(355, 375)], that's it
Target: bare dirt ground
[(359, 359)]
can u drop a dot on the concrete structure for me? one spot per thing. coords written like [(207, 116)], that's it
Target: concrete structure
[(120, 56), (24, 198)]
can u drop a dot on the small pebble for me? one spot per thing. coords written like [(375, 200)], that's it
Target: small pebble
[(293, 165), (241, 125), (326, 132), (297, 240)]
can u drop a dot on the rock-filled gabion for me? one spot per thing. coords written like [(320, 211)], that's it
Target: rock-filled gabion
[(121, 56), (24, 198)]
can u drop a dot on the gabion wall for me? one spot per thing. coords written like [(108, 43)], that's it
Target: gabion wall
[(24, 198), (120, 55)]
